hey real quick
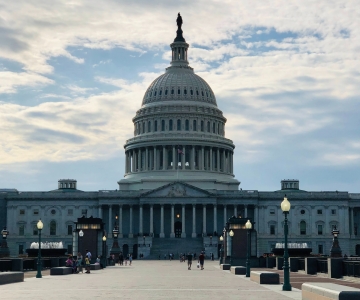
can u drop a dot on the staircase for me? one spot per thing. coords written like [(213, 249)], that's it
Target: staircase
[(162, 246)]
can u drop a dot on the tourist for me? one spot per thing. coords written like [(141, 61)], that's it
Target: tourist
[(126, 260), (130, 259), (87, 264), (121, 259), (189, 259), (79, 262), (212, 256), (88, 254), (201, 260), (98, 260), (69, 262)]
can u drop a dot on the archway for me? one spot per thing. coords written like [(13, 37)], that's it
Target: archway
[(357, 249), (178, 229), (125, 250), (135, 251)]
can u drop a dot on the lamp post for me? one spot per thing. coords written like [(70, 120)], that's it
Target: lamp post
[(335, 250), (248, 227), (104, 250), (4, 249), (81, 234), (285, 207), (39, 226), (221, 249), (231, 233)]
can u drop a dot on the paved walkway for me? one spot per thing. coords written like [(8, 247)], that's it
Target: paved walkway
[(147, 280)]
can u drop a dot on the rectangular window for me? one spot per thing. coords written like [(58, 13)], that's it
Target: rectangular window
[(320, 229), (22, 212), (36, 212), (69, 229), (333, 212), (272, 211), (21, 249), (84, 212), (272, 229), (22, 229), (35, 230), (70, 212), (320, 249), (319, 211)]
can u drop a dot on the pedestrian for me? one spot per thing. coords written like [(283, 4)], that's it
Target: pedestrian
[(126, 260), (189, 259), (80, 263), (201, 260), (130, 259), (212, 256), (121, 259), (87, 264), (88, 254)]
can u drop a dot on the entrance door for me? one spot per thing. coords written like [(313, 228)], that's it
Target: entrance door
[(178, 229), (125, 250)]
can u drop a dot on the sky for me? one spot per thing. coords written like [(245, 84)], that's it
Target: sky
[(286, 75)]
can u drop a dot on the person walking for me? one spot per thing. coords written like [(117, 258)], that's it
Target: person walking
[(121, 259), (130, 259), (201, 260), (189, 259), (80, 263), (87, 265), (88, 254)]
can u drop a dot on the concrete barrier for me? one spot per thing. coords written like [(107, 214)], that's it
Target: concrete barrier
[(225, 266), (264, 277), (11, 277), (328, 291), (240, 270), (60, 271)]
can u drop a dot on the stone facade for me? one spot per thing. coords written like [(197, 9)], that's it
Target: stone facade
[(179, 183)]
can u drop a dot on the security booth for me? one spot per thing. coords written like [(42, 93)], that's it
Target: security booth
[(238, 240), (88, 234)]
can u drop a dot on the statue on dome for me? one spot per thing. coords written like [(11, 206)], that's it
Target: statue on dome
[(179, 21)]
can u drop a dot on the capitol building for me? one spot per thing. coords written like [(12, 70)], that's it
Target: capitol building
[(179, 188)]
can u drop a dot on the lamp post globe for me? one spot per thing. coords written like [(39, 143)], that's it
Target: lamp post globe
[(231, 234), (221, 239), (285, 207), (248, 227), (81, 233), (39, 226)]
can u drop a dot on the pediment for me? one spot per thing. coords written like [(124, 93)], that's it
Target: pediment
[(177, 190)]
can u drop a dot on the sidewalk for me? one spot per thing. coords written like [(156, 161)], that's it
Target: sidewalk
[(147, 280)]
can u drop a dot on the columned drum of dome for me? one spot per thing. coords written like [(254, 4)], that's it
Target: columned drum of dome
[(179, 132)]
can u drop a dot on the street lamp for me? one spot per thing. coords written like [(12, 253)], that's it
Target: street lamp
[(335, 250), (39, 226), (248, 227), (221, 249), (231, 233), (285, 207), (104, 250)]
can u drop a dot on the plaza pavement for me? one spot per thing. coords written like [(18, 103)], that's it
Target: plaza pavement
[(147, 280)]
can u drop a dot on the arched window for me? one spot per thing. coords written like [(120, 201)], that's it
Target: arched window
[(178, 124), (194, 125), (178, 91), (213, 127), (303, 228), (149, 126), (155, 94), (172, 91), (166, 92), (138, 128), (208, 126), (218, 128), (170, 125), (187, 125), (197, 93), (202, 93), (155, 126), (185, 91), (202, 126), (52, 228), (191, 92), (160, 92), (162, 125), (143, 129)]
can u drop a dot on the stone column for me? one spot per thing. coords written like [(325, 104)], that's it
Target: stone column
[(139, 160), (225, 215), (218, 159), (256, 218), (162, 234), (151, 220), (204, 219), (164, 158), (172, 234), (211, 159), (110, 219), (131, 235), (345, 212), (193, 234), (215, 218), (183, 233), (100, 212), (141, 219), (183, 158), (192, 160), (132, 160), (146, 158), (235, 210), (155, 160), (352, 220), (126, 162), (245, 211), (120, 222), (223, 161), (327, 228), (202, 158), (173, 157)]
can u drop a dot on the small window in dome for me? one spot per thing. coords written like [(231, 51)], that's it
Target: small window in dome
[(155, 126), (191, 92), (150, 94), (160, 92), (149, 126), (202, 126), (172, 92), (208, 126), (178, 124), (185, 91), (202, 93), (170, 125), (213, 127), (197, 93), (178, 91), (187, 125), (155, 94), (206, 94), (143, 127), (166, 92), (194, 125)]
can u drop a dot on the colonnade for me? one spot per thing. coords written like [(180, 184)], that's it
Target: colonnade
[(194, 234), (184, 158)]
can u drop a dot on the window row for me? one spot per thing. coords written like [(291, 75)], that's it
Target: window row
[(70, 212), (179, 92), (303, 211), (303, 228), (178, 125), (51, 230)]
